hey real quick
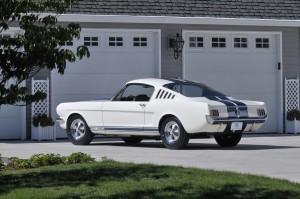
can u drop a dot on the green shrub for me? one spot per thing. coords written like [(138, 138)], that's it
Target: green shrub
[(42, 120), (293, 114), (50, 159), (1, 163), (17, 163), (79, 157), (40, 160)]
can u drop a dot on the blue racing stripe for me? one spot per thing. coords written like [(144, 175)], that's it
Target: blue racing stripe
[(242, 106), (232, 105)]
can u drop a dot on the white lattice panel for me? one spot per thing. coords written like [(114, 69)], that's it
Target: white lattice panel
[(291, 94), (40, 107)]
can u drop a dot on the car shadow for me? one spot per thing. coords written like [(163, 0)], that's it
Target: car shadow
[(196, 146)]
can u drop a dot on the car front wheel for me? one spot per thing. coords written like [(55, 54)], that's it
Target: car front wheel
[(228, 140), (78, 131), (173, 134)]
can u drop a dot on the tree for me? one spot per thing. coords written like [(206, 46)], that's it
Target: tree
[(37, 45)]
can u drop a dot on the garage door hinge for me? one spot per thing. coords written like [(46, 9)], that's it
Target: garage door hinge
[(279, 66)]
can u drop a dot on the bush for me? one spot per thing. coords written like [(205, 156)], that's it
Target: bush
[(1, 163), (42, 120), (17, 163), (79, 157), (40, 160), (293, 114)]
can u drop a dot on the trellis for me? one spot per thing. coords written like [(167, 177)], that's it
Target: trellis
[(41, 107), (291, 94)]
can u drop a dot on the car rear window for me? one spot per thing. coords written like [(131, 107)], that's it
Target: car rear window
[(193, 89)]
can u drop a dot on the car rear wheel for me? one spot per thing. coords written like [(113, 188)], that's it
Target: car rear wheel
[(78, 131), (132, 140), (173, 134), (228, 140)]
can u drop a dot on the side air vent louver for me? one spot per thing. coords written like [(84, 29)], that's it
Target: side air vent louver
[(162, 94), (261, 112)]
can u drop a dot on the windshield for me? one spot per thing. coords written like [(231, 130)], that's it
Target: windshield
[(191, 89)]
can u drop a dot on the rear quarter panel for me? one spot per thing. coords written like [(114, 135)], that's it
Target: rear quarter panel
[(191, 114)]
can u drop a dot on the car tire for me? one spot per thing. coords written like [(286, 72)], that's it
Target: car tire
[(173, 134), (78, 131), (228, 140), (132, 140)]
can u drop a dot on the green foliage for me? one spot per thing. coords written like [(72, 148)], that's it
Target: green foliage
[(79, 157), (17, 163), (36, 46), (40, 160), (293, 114), (1, 163), (42, 120), (104, 158)]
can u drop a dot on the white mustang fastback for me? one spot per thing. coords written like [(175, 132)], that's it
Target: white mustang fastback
[(173, 110)]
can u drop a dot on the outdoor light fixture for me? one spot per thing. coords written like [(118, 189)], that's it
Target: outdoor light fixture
[(177, 44)]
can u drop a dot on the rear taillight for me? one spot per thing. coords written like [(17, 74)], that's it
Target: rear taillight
[(261, 112), (214, 113)]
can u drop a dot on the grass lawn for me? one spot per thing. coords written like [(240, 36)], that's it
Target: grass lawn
[(109, 179)]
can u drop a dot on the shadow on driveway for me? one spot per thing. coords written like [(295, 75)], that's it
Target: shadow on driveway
[(195, 146)]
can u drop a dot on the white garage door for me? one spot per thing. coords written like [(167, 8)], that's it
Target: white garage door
[(242, 65), (117, 56), (12, 125)]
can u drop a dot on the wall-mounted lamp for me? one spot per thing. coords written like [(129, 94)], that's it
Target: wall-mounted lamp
[(177, 44)]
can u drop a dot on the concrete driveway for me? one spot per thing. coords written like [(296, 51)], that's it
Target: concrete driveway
[(276, 156)]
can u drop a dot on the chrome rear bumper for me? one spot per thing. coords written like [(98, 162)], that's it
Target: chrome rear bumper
[(245, 120)]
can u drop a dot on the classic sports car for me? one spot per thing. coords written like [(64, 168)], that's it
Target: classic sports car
[(173, 110)]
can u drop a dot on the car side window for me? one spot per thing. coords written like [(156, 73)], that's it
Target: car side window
[(135, 92)]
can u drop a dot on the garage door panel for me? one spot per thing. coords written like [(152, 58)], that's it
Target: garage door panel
[(229, 63), (10, 122), (231, 83), (90, 84), (271, 123), (10, 111), (114, 63)]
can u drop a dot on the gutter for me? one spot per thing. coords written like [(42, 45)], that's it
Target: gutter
[(176, 20)]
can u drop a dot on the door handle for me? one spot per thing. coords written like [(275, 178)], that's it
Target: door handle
[(143, 105)]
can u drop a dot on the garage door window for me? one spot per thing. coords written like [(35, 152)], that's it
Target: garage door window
[(196, 42), (140, 42), (91, 41), (67, 43), (240, 42), (115, 41), (263, 43), (218, 42)]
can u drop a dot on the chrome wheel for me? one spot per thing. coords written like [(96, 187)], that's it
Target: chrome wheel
[(77, 129), (172, 132)]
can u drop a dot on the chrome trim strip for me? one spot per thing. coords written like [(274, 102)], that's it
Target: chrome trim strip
[(212, 120)]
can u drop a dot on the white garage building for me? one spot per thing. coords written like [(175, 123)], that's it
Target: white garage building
[(228, 46)]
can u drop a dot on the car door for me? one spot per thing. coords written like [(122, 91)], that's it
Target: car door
[(125, 112)]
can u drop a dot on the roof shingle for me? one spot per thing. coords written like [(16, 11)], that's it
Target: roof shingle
[(260, 9)]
